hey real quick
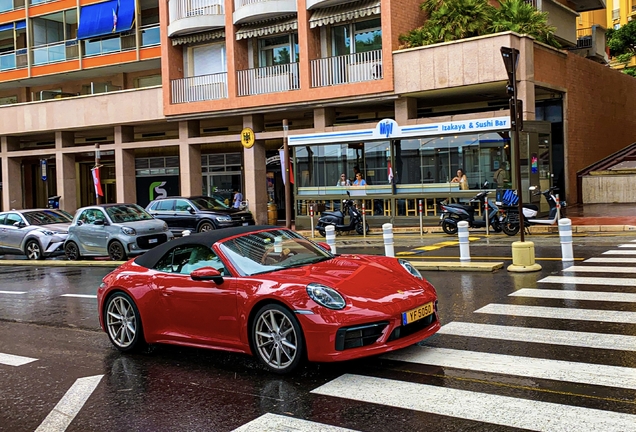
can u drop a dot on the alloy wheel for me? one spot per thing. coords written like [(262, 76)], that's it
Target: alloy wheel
[(205, 227), (33, 250), (121, 321), (72, 252), (276, 339), (116, 251)]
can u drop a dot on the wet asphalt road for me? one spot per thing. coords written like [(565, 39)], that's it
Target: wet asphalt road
[(177, 389)]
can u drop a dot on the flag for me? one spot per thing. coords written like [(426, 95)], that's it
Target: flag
[(281, 152), (114, 21), (390, 172), (97, 182)]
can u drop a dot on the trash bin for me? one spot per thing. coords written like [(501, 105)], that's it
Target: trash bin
[(272, 213), (54, 202)]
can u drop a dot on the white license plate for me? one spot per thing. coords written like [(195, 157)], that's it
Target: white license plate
[(152, 241), (245, 224)]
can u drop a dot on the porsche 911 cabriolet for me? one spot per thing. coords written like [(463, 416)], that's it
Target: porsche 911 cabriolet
[(269, 292)]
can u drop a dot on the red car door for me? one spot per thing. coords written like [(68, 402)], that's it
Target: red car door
[(200, 312)]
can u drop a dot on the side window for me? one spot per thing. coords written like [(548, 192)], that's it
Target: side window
[(165, 205), (153, 206), (201, 256), (182, 206), (12, 218), (165, 263), (98, 214), (2, 218)]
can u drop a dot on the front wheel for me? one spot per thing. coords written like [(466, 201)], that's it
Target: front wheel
[(71, 250), (510, 229), (449, 228), (123, 323), (277, 339), (205, 227), (496, 226), (360, 230), (116, 251), (33, 250)]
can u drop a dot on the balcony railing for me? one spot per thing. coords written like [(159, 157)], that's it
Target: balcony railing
[(107, 46), (11, 60), (150, 35), (366, 66), (270, 79), (55, 52), (241, 3), (616, 14), (584, 38), (191, 8), (199, 88)]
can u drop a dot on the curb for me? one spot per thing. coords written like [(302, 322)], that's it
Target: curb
[(457, 266), (60, 263)]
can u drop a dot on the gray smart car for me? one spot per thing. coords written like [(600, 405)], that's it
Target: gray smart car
[(36, 233), (114, 230)]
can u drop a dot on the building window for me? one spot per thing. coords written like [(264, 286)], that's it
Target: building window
[(367, 36), (278, 50), (147, 81), (149, 167), (8, 100), (206, 59)]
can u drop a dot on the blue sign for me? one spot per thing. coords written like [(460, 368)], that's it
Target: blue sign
[(43, 168)]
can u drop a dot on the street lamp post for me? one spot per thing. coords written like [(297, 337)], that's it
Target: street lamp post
[(522, 251), (288, 208)]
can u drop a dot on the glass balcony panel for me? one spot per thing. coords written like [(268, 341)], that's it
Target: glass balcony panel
[(7, 61), (111, 45), (6, 5), (150, 36)]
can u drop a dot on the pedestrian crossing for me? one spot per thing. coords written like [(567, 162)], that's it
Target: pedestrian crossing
[(477, 370)]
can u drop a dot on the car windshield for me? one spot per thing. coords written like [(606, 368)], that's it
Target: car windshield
[(127, 213), (46, 217), (267, 251), (209, 203)]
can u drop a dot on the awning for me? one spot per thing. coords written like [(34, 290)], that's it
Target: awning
[(106, 18), (344, 12), (20, 25), (5, 27), (199, 37), (268, 27)]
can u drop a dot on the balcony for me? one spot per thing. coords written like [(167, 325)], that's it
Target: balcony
[(588, 5), (150, 35), (257, 10), (192, 16), (98, 47), (270, 79), (13, 60), (199, 88), (55, 52), (591, 43), (366, 66)]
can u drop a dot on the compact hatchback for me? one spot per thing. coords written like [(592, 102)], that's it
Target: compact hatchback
[(36, 233), (114, 230), (198, 214)]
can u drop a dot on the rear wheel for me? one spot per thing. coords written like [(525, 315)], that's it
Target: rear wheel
[(33, 250), (360, 230), (510, 229), (277, 339), (449, 228), (496, 226), (116, 251), (123, 323), (321, 231), (71, 250)]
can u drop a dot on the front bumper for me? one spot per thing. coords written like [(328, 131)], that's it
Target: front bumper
[(54, 246)]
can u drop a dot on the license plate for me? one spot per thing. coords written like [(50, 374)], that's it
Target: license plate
[(418, 313), (152, 241), (245, 224)]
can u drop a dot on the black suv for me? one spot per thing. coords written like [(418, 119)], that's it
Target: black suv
[(197, 214)]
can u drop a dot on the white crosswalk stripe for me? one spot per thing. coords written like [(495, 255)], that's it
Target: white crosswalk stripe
[(575, 295), (583, 280), (541, 336), (279, 423), (13, 292), (620, 252), (629, 245), (560, 313), (15, 360), (599, 269), (611, 260), (483, 407)]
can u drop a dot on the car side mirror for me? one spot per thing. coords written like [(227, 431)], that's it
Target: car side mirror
[(324, 246), (191, 210), (20, 224), (206, 274), (99, 222)]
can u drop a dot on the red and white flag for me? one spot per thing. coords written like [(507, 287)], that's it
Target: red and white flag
[(390, 171), (97, 182)]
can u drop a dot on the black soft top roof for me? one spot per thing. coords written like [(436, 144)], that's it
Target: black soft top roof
[(207, 239)]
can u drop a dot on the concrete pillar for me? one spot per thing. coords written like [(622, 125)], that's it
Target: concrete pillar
[(255, 170), (125, 181), (525, 87), (66, 177), (12, 191), (324, 118), (405, 109), (189, 160)]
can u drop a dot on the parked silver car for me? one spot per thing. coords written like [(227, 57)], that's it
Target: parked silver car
[(114, 230), (36, 233)]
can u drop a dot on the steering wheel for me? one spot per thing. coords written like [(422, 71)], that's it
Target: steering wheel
[(276, 258)]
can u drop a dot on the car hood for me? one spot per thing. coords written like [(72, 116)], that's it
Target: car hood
[(58, 227), (145, 227), (364, 278)]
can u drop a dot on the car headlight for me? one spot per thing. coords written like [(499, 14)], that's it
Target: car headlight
[(409, 268), (224, 218), (165, 226), (325, 296), (48, 233), (128, 231)]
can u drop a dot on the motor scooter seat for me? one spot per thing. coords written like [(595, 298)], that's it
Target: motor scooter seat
[(531, 207), (336, 213)]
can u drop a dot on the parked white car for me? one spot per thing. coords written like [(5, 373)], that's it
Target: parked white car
[(36, 233)]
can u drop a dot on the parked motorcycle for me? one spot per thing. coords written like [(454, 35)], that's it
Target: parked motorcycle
[(510, 223), (337, 219), (454, 213)]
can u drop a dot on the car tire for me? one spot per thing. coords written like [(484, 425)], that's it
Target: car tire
[(123, 323), (277, 339), (71, 250), (33, 250), (116, 251), (205, 226)]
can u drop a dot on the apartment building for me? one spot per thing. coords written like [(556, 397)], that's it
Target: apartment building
[(333, 71)]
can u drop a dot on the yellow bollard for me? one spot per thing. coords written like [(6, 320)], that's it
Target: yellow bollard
[(523, 258)]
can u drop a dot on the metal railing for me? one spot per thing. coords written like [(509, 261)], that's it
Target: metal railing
[(365, 66), (150, 35), (270, 79), (241, 3), (199, 88), (584, 38), (189, 8), (532, 3), (54, 52), (107, 46)]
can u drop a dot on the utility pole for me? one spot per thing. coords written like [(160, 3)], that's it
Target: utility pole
[(98, 199), (288, 203)]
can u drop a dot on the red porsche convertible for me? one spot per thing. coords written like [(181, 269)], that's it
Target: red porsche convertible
[(269, 292)]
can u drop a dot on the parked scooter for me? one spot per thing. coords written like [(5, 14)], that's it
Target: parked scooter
[(454, 213), (336, 218), (510, 222)]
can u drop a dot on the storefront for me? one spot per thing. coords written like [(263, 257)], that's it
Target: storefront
[(402, 165)]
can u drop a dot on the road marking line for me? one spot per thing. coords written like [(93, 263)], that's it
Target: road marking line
[(483, 407), (620, 252), (589, 280), (606, 316), (91, 296), (14, 360), (627, 245), (557, 370), (542, 336), (70, 404), (600, 269), (13, 292), (575, 295), (280, 423), (612, 260)]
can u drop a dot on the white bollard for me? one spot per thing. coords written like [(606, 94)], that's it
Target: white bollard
[(330, 235), (387, 234), (421, 220), (464, 247), (186, 232), (565, 234)]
